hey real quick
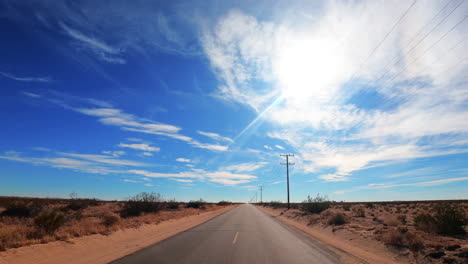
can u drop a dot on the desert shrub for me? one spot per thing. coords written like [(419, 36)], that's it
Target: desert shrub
[(393, 238), (346, 207), (425, 222), (18, 209), (196, 204), (110, 220), (80, 204), (369, 205), (449, 220), (142, 203), (50, 221), (359, 212), (275, 204), (392, 221), (414, 242), (316, 205), (402, 218), (172, 204), (337, 219), (224, 203)]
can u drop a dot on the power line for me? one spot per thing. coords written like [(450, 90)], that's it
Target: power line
[(421, 40), (287, 169), (381, 42)]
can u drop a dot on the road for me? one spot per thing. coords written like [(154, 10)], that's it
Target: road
[(242, 235)]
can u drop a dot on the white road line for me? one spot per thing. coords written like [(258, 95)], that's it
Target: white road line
[(235, 238)]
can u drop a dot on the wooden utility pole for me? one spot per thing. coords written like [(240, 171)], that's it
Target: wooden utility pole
[(261, 197), (287, 170)]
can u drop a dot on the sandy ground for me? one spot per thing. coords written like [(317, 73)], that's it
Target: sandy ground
[(352, 248), (102, 249)]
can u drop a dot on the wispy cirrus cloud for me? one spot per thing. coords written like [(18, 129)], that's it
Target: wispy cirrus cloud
[(248, 166), (109, 115), (376, 186), (98, 47), (183, 160), (26, 78), (214, 136), (141, 146)]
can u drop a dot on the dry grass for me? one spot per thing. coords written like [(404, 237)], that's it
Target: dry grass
[(415, 229), (84, 219)]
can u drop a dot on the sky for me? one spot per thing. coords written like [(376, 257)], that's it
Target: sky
[(198, 99)]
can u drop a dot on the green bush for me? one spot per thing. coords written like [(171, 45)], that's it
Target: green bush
[(316, 205), (50, 221), (142, 203), (196, 204)]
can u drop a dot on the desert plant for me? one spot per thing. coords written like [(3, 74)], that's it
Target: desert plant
[(224, 203), (393, 238), (449, 220), (414, 242), (50, 221), (142, 203), (172, 204), (18, 209), (275, 204), (425, 222), (337, 219), (316, 205), (359, 212), (402, 218), (196, 204), (346, 207), (110, 220)]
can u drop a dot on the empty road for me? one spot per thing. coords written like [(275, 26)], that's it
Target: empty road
[(242, 235)]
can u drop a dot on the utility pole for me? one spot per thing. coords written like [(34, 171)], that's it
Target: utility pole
[(287, 170), (261, 197)]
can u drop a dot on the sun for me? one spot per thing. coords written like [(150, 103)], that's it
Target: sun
[(306, 69)]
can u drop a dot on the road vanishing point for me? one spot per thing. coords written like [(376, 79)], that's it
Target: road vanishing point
[(242, 235)]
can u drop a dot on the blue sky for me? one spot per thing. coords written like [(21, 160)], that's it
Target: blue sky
[(197, 99)]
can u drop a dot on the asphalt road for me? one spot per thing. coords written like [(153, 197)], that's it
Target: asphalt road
[(242, 235)]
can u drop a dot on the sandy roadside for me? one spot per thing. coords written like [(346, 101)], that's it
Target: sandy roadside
[(351, 249), (96, 249)]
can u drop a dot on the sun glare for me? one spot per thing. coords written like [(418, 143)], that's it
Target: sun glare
[(306, 69)]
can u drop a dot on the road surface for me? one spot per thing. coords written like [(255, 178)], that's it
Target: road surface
[(242, 235)]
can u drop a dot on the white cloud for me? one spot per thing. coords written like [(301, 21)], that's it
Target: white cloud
[(183, 160), (27, 79), (279, 147), (116, 153), (149, 184), (249, 166), (148, 154), (183, 180), (140, 146), (133, 181), (324, 70), (415, 184), (214, 136), (102, 50)]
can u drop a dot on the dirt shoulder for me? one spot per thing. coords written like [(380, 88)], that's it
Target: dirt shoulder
[(351, 247), (105, 248)]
